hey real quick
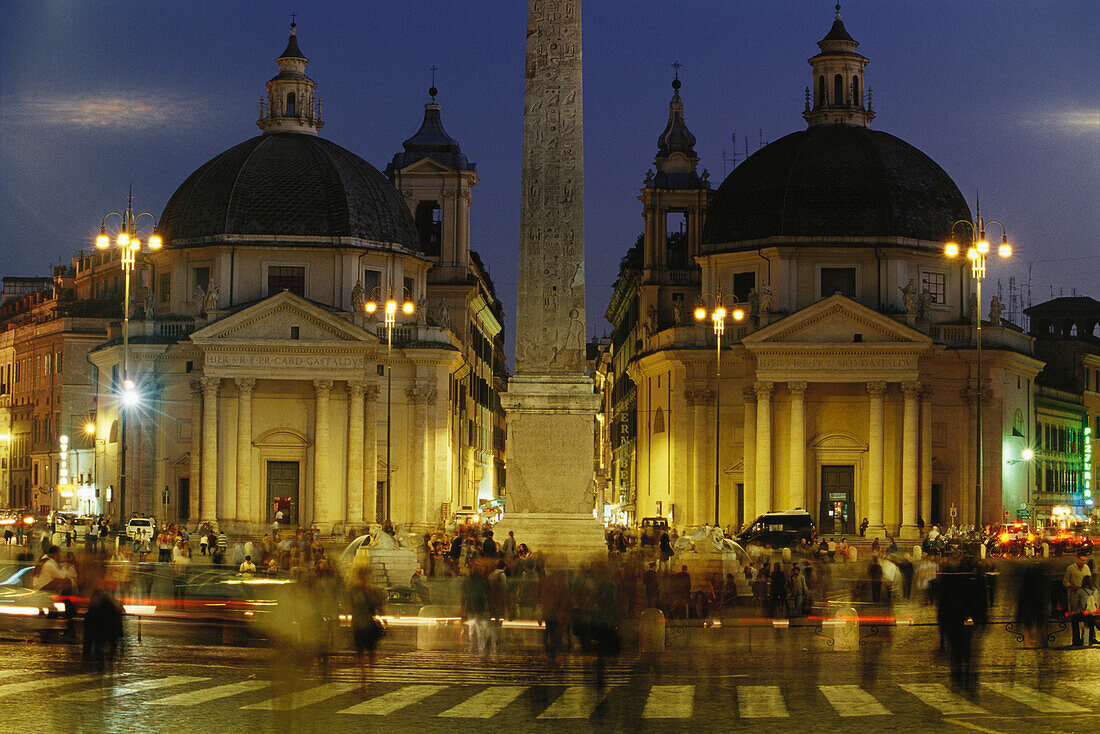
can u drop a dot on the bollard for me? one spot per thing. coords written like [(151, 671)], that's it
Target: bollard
[(786, 555), (981, 550), (651, 631), (846, 630), (853, 554), (1046, 550), (917, 553)]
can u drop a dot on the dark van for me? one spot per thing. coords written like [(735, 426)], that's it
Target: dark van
[(779, 529)]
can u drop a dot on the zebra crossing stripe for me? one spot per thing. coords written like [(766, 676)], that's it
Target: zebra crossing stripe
[(38, 684), (761, 702), (575, 702), (14, 672), (940, 698), (205, 695), (100, 694), (388, 703), (1032, 698), (852, 700), (297, 699), (487, 703), (669, 702)]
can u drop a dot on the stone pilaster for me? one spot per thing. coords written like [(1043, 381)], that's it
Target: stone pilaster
[(195, 453), (926, 455), (420, 398), (910, 441), (355, 486), (701, 401), (748, 454), (796, 493), (245, 386), (209, 510), (370, 453), (875, 445), (323, 512), (763, 392)]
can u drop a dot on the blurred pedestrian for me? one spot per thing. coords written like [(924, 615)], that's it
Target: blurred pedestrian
[(1073, 580), (778, 601), (665, 549), (652, 584), (247, 567), (1087, 606), (204, 542), (799, 592), (181, 568), (367, 630)]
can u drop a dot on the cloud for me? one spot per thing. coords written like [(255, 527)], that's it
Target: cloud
[(123, 111), (1070, 121)]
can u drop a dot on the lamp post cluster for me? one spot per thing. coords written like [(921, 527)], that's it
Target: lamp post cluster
[(717, 313), (390, 307), (129, 245), (976, 253)]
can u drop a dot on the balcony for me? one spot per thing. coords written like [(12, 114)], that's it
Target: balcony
[(960, 336)]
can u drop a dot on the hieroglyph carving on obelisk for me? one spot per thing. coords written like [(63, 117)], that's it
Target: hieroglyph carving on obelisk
[(550, 330)]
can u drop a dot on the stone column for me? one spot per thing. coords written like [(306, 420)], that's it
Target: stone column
[(926, 456), (748, 454), (763, 446), (244, 448), (195, 457), (703, 455), (210, 448), (370, 453), (323, 514), (355, 487), (910, 441), (419, 399), (796, 490), (876, 442)]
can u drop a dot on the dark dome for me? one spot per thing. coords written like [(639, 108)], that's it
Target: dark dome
[(834, 181), (292, 185)]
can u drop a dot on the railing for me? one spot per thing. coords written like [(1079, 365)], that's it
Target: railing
[(175, 329), (962, 335), (409, 333)]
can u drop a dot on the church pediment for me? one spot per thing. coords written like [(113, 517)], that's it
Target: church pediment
[(283, 317), (426, 165), (836, 320)]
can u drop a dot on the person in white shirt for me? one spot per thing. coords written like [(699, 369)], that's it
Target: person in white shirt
[(247, 566), (1073, 579), (50, 575)]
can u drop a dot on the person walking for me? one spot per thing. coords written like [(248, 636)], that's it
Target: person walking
[(1087, 604), (221, 548), (510, 547), (204, 542), (1073, 580), (652, 585), (778, 601), (181, 568), (665, 546), (366, 603), (798, 592)]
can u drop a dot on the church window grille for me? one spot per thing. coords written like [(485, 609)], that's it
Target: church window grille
[(857, 98), (200, 277), (290, 104), (838, 90), (372, 280), (743, 284), (838, 280), (936, 283), (429, 226), (164, 288), (820, 90), (286, 278)]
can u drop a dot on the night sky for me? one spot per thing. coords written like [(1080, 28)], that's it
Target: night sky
[(1002, 94)]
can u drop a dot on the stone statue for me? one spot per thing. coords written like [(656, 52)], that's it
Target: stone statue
[(764, 299), (996, 308), (210, 302), (678, 313), (651, 320), (422, 311), (975, 313), (909, 297), (381, 540), (148, 305), (924, 304), (444, 314), (197, 295), (358, 297), (754, 305)]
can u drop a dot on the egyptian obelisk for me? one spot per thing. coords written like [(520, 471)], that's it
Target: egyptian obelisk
[(550, 402)]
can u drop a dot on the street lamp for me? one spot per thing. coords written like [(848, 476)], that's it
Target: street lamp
[(129, 245), (390, 307), (976, 253), (718, 313)]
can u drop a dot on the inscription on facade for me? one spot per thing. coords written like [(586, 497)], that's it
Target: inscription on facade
[(796, 362), (283, 361)]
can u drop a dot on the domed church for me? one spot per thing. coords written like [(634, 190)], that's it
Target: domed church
[(848, 389), (271, 389)]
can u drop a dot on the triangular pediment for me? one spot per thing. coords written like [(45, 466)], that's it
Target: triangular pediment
[(283, 316), (836, 320), (426, 165)]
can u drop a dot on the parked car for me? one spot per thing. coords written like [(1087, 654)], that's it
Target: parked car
[(779, 529), (142, 528), (25, 610)]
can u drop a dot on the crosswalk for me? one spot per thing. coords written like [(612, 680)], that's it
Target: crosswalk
[(564, 702)]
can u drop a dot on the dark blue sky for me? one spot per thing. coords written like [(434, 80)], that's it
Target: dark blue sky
[(1002, 94)]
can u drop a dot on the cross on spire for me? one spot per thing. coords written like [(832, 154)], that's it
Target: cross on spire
[(838, 11), (433, 91), (676, 65), (293, 22)]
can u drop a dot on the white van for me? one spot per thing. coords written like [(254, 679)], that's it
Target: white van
[(140, 528)]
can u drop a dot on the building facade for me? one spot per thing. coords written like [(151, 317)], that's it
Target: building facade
[(849, 388)]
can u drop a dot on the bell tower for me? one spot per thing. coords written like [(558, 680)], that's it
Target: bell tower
[(290, 106), (837, 96)]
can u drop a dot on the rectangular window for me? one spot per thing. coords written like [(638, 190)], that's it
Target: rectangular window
[(164, 288), (57, 363), (936, 285), (838, 280), (286, 278), (200, 277), (372, 282), (409, 292), (743, 283)]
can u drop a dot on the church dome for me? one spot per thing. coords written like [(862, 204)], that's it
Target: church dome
[(834, 181), (287, 184)]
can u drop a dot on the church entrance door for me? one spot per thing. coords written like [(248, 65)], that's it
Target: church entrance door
[(282, 492), (837, 494)]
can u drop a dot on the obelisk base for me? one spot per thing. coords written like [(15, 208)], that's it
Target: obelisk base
[(550, 485)]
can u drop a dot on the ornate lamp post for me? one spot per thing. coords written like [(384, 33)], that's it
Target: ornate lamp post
[(718, 313), (976, 253), (389, 307), (129, 245)]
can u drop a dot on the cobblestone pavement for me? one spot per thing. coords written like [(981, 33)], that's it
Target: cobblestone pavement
[(172, 688)]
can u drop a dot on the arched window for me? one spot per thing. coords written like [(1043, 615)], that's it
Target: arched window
[(857, 95), (820, 91), (659, 421), (429, 225), (290, 104), (838, 89)]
